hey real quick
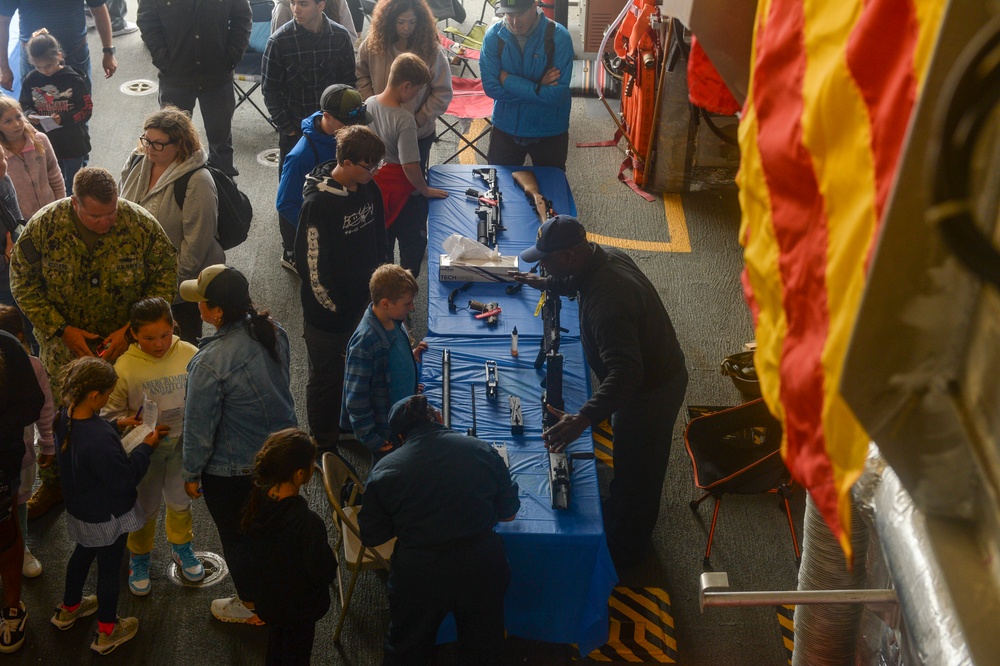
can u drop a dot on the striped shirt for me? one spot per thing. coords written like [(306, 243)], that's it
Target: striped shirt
[(299, 65)]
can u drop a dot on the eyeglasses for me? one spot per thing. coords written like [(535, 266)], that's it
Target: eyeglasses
[(155, 145), (374, 168)]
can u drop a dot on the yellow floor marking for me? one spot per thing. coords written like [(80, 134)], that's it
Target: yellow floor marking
[(468, 156), (603, 440), (639, 619), (676, 225), (604, 458), (649, 605), (787, 623)]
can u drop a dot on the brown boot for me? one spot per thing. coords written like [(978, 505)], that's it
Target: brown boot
[(43, 499)]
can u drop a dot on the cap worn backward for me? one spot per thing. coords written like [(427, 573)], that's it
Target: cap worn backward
[(194, 290), (513, 6), (561, 232), (345, 104)]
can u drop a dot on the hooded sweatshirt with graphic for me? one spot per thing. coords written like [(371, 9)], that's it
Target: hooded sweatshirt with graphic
[(339, 244)]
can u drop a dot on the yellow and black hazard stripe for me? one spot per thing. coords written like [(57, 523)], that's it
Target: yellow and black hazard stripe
[(786, 620), (604, 443), (642, 628)]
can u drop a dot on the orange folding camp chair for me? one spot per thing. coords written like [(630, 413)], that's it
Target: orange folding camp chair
[(736, 451)]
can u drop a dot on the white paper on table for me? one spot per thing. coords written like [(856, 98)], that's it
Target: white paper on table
[(150, 413), (46, 122)]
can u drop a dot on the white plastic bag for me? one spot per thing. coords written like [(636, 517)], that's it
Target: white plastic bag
[(459, 249)]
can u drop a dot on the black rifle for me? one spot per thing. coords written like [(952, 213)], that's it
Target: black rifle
[(488, 210), (552, 395), (551, 329)]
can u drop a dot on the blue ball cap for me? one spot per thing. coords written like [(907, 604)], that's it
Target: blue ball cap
[(558, 233)]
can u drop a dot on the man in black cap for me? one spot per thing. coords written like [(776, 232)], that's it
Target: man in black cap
[(340, 105), (631, 346), (440, 494)]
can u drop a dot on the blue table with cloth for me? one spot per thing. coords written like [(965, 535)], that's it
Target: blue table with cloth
[(561, 571), (457, 214)]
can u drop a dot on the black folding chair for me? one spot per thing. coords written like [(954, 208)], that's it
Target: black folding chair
[(250, 68)]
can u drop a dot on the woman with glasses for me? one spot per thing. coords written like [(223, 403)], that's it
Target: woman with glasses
[(170, 155), (406, 26)]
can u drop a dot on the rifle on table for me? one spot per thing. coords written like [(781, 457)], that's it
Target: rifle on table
[(488, 210), (552, 395), (543, 207)]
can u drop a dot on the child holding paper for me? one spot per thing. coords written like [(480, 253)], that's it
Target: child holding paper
[(155, 368), (98, 481)]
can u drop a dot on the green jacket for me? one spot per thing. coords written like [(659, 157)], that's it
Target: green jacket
[(57, 283)]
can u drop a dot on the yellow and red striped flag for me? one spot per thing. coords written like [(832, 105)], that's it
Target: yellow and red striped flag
[(833, 84)]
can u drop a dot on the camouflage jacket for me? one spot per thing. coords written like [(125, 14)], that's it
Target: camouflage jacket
[(57, 283)]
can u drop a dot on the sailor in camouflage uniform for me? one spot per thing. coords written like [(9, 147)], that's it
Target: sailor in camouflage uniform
[(77, 269)]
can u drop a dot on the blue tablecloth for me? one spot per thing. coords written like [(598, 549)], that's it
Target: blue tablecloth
[(561, 571), (457, 214)]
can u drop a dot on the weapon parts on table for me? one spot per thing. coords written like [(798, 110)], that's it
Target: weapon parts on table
[(527, 181), (488, 311), (471, 432), (492, 380), (446, 387)]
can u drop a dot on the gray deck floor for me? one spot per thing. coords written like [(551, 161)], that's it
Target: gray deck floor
[(700, 289)]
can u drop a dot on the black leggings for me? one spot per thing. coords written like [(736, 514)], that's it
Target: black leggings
[(109, 560), (224, 498), (290, 644)]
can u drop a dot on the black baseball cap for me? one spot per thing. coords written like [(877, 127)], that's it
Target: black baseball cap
[(513, 6), (558, 233), (345, 104)]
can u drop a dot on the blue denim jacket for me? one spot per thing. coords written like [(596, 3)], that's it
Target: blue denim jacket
[(237, 395)]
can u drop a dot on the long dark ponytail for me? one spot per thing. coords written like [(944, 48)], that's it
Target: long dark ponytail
[(262, 327), (284, 453)]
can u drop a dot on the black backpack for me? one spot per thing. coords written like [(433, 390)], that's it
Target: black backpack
[(235, 209)]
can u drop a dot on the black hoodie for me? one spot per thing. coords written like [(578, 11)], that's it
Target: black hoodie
[(292, 562), (339, 244)]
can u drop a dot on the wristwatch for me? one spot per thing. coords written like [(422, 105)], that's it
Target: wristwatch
[(110, 50)]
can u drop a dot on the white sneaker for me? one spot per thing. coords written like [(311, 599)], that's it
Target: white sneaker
[(126, 29), (31, 568), (231, 609)]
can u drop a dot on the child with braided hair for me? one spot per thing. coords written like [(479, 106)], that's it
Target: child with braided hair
[(291, 559), (99, 485)]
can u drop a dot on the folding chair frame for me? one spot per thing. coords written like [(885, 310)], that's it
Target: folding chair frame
[(368, 558), (784, 489), (244, 96), (453, 127)]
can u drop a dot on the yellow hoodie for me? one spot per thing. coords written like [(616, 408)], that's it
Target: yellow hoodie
[(162, 380)]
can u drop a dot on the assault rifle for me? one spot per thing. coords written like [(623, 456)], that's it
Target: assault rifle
[(552, 395), (488, 210)]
